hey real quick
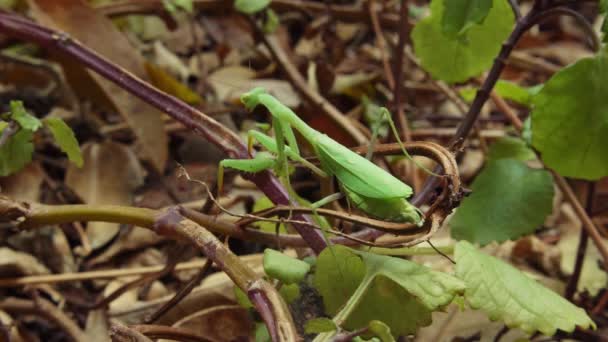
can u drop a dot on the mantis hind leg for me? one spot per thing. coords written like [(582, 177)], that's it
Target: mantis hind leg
[(262, 161)]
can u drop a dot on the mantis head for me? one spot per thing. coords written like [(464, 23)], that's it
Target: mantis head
[(252, 98)]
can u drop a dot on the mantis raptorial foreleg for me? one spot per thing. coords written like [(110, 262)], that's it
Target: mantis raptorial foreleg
[(262, 161)]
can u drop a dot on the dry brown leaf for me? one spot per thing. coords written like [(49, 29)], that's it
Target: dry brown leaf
[(97, 32), (110, 174), (14, 263), (219, 323), (23, 185), (133, 239), (48, 244), (7, 321), (97, 327)]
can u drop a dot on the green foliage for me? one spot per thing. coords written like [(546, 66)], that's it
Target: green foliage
[(381, 330), (250, 6), (16, 153), (64, 137), (503, 292), (290, 292), (509, 200), (468, 55), (570, 120), (284, 268), (361, 287), (23, 118), (510, 147), (460, 15), (319, 325), (508, 90)]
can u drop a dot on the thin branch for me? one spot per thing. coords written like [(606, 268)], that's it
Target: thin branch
[(201, 124), (309, 94), (381, 42), (183, 292), (516, 9), (581, 250), (398, 89), (122, 333), (341, 12), (265, 298), (43, 308)]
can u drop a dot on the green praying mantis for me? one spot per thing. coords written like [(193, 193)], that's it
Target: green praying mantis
[(365, 185)]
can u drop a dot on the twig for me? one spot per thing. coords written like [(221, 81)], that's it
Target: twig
[(171, 224), (341, 12), (516, 10), (41, 307), (192, 118), (581, 250), (309, 94), (398, 88), (265, 298), (122, 333), (183, 292), (388, 72)]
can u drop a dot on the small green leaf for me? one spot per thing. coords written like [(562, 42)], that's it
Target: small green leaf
[(461, 15), (510, 147), (457, 60), (319, 325), (508, 90), (64, 137), (570, 120), (290, 292), (381, 330), (284, 268), (25, 119), (362, 286), (503, 292), (509, 200), (250, 6), (261, 333), (16, 153)]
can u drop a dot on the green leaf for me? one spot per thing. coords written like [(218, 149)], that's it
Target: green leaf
[(261, 333), (290, 292), (361, 287), (509, 200), (284, 268), (510, 147), (250, 6), (16, 152), (570, 120), (381, 330), (64, 137), (456, 60), (23, 118), (503, 292), (319, 325), (508, 90), (461, 15)]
